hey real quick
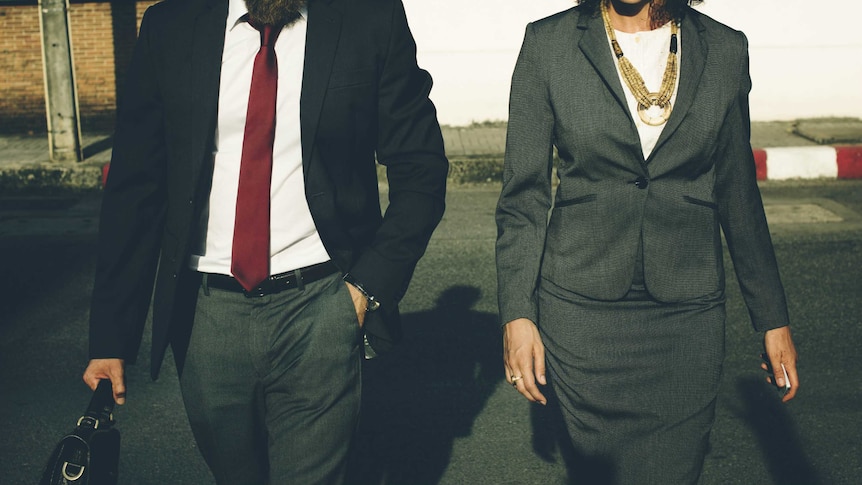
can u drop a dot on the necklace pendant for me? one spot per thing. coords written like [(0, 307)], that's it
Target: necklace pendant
[(646, 117)]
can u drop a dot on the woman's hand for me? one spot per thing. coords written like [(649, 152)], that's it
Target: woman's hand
[(780, 351), (524, 358)]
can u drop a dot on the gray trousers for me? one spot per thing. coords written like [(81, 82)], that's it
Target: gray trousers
[(271, 385)]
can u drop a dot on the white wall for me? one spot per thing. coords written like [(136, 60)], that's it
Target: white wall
[(806, 56)]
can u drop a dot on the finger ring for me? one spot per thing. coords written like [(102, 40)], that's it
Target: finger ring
[(515, 380)]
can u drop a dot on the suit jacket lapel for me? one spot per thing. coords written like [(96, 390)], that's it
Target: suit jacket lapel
[(206, 55), (693, 60), (594, 45), (324, 28)]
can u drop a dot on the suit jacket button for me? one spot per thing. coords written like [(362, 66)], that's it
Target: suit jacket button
[(641, 182)]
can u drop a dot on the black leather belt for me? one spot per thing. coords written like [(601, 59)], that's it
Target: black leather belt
[(274, 284)]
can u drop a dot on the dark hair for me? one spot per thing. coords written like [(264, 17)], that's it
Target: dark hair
[(670, 9)]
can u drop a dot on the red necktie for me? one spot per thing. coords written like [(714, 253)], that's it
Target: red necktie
[(250, 256)]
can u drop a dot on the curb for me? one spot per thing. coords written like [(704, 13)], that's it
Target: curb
[(815, 162), (780, 163), (47, 178)]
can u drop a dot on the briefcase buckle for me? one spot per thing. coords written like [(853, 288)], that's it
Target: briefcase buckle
[(92, 422), (69, 476)]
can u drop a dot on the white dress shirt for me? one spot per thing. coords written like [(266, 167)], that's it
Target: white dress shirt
[(294, 241), (647, 51)]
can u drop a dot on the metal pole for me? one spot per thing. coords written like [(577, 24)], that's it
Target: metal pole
[(61, 98)]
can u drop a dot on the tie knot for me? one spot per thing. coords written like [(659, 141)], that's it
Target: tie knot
[(268, 32)]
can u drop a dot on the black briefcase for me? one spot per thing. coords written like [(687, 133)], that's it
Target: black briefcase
[(90, 454)]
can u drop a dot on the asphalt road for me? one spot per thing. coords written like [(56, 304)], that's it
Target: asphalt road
[(438, 410)]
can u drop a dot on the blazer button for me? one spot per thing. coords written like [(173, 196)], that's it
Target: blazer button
[(641, 182)]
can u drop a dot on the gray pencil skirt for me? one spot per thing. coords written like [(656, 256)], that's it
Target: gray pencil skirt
[(636, 382)]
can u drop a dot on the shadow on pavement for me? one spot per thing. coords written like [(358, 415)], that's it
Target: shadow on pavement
[(97, 147), (766, 416), (34, 270), (426, 393)]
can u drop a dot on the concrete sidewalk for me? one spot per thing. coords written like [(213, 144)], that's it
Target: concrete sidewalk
[(802, 149)]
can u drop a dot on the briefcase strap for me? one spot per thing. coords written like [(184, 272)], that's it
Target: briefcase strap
[(102, 401)]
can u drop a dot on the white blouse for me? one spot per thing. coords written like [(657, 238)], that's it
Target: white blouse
[(647, 51)]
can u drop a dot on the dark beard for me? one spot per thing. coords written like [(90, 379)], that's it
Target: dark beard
[(274, 12)]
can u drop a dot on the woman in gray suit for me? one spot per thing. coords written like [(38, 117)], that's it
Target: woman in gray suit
[(619, 293)]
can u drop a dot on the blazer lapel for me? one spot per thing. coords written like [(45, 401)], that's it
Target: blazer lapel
[(694, 51), (594, 45), (207, 47), (324, 29)]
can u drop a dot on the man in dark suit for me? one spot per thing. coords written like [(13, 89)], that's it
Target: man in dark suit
[(227, 100)]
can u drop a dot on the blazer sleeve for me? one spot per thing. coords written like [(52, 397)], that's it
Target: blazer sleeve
[(741, 213), (132, 215), (525, 199), (410, 146)]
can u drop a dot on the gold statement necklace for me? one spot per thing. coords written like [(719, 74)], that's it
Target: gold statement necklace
[(635, 82)]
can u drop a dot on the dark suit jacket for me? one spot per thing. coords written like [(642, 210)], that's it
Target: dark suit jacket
[(362, 95), (699, 179)]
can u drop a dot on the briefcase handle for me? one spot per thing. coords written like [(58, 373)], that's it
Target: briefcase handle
[(101, 405)]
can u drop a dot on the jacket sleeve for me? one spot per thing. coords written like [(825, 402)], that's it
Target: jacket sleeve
[(132, 216), (522, 210), (410, 146), (742, 216)]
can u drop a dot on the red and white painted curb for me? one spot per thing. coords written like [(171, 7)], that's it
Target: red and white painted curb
[(785, 163), (813, 162)]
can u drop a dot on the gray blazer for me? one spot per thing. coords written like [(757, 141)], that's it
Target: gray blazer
[(700, 178)]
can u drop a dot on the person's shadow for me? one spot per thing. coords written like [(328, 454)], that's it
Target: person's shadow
[(776, 433), (427, 392)]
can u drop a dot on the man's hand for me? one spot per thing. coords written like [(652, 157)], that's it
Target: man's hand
[(112, 369), (360, 303), (780, 350), (524, 358)]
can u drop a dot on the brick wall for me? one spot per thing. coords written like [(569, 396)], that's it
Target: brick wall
[(103, 35)]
